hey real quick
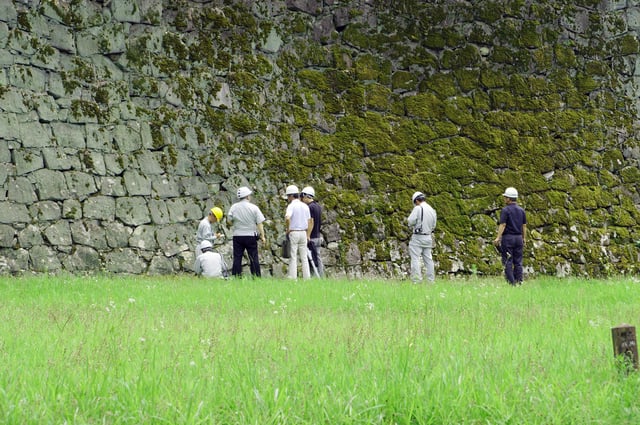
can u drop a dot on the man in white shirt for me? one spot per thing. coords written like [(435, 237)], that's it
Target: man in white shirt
[(422, 221), (209, 263), (298, 224)]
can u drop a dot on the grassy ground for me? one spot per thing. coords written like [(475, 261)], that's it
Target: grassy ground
[(183, 350)]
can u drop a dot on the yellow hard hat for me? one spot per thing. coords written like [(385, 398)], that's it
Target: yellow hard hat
[(217, 212)]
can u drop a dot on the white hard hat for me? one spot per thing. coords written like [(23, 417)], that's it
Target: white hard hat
[(243, 192), (308, 190), (205, 244), (292, 190), (416, 195), (511, 192)]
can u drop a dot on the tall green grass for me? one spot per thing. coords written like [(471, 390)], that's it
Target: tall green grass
[(182, 350)]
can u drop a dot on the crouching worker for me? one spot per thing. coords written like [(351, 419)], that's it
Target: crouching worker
[(209, 263)]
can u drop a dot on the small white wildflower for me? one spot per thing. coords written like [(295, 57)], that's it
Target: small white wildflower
[(132, 300), (142, 339), (369, 306), (272, 302), (192, 363)]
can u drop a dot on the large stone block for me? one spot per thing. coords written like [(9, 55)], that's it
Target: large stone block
[(127, 138), (132, 211), (13, 102), (99, 208), (159, 211), (183, 210), (28, 161), (99, 137), (9, 127), (59, 159), (124, 261), (72, 209), (137, 183), (8, 12), (5, 153), (126, 11), (161, 265), (50, 184), (62, 38), (112, 186), (165, 187), (80, 184), (21, 191), (44, 259), (34, 135), (144, 237), (88, 42), (116, 163), (181, 163), (196, 187), (89, 233), (117, 234), (11, 213), (59, 233), (30, 236), (83, 259), (150, 162), (175, 238), (47, 108), (69, 135), (7, 236), (14, 260), (28, 78)]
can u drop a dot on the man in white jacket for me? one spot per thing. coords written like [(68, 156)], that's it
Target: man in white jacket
[(422, 220), (209, 263)]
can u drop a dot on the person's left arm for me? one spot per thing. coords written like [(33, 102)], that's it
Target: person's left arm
[(413, 217), (498, 238), (309, 228)]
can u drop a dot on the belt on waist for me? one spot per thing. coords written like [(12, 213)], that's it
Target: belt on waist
[(298, 230)]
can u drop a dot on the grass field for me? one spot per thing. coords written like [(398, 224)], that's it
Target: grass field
[(182, 350)]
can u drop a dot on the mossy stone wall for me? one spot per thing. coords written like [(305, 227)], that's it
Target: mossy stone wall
[(124, 120)]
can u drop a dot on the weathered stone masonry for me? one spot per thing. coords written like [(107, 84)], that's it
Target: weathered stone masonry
[(123, 121)]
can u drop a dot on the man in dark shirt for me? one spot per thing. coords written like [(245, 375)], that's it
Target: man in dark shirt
[(308, 197), (512, 236)]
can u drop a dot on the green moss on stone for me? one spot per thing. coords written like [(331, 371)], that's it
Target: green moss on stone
[(424, 106), (443, 84), (403, 80), (466, 56)]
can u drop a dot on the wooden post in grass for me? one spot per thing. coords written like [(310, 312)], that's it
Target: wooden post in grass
[(625, 344)]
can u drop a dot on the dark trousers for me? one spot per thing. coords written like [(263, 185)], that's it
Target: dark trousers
[(250, 244), (512, 247)]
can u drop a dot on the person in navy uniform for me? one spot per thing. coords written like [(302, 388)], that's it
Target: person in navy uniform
[(512, 236)]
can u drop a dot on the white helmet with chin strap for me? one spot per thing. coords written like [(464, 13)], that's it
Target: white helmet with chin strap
[(243, 192), (511, 192), (417, 195), (308, 191)]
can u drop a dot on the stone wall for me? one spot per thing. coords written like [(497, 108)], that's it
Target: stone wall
[(123, 121)]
